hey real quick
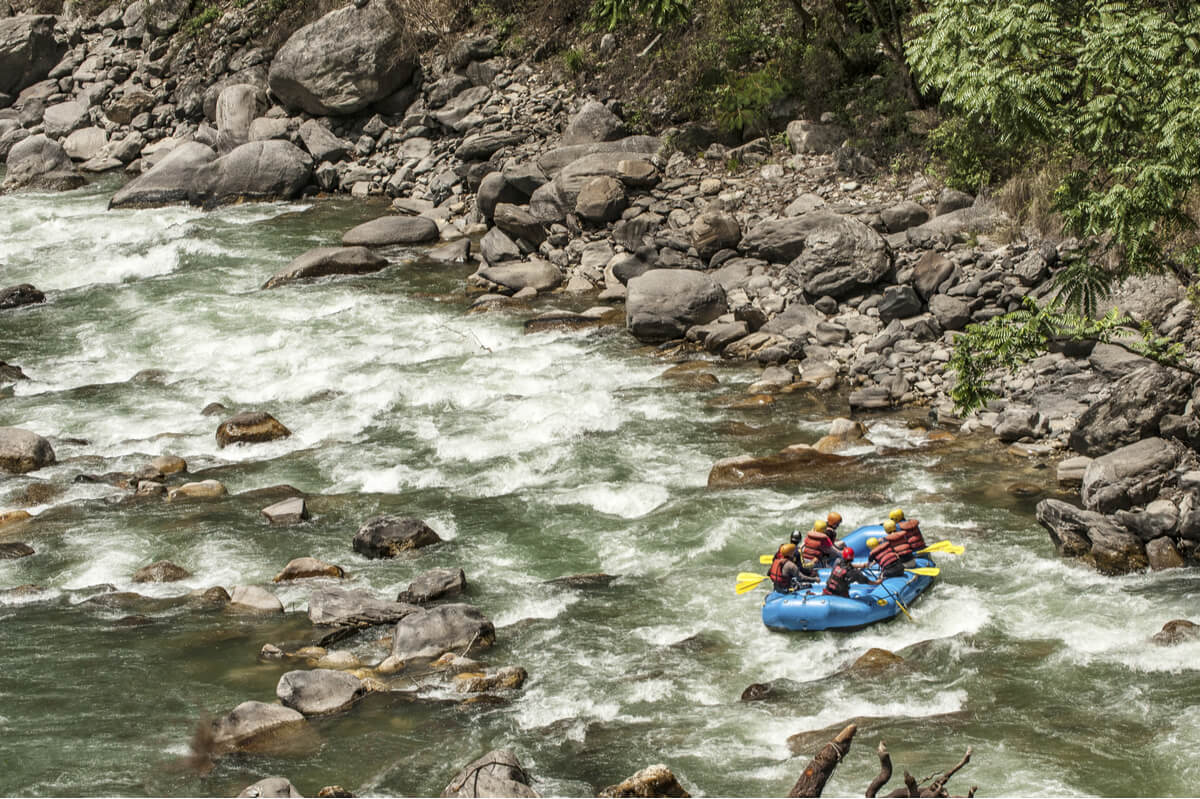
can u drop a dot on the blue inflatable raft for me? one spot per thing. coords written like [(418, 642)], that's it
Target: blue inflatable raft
[(809, 609)]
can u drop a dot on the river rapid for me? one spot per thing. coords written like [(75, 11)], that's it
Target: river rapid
[(537, 456)]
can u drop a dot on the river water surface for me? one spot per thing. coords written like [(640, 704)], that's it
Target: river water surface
[(537, 456)]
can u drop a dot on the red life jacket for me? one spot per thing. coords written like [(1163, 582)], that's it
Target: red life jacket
[(884, 555), (898, 541), (816, 545), (912, 529), (781, 583), (838, 584)]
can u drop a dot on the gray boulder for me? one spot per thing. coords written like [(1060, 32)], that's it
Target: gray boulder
[(830, 254), (388, 536), (163, 17), (318, 691), (346, 607), (957, 226), (85, 144), (950, 200), (498, 773), (1092, 537), (663, 303), (237, 106), (322, 143), (495, 247), (325, 261), (495, 189), (713, 231), (594, 122), (1131, 475), (577, 174), (1114, 361), (930, 272), (41, 163), (631, 147), (168, 182), (899, 302), (270, 788), (259, 170), (22, 451), (254, 599), (518, 223), (902, 216), (1016, 422), (28, 51), (62, 118), (950, 312), (1160, 518), (344, 61), (601, 200), (537, 274), (392, 230), (427, 633), (482, 146), (1133, 411), (434, 584), (251, 721), (814, 137)]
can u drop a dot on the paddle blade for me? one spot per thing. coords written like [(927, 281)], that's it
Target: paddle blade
[(748, 581), (926, 571), (940, 546), (766, 559)]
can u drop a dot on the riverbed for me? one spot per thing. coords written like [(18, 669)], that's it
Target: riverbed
[(536, 456)]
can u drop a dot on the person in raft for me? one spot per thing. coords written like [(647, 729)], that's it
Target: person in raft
[(844, 574), (818, 549), (882, 554), (786, 574), (898, 541), (911, 529)]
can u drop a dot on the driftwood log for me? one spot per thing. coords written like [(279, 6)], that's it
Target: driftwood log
[(812, 780)]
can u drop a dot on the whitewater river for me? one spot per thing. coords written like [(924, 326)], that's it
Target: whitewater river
[(536, 456)]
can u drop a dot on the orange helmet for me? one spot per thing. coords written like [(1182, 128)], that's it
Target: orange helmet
[(833, 519)]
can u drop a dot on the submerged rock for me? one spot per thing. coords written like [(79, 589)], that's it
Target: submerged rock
[(794, 463), (345, 607), (434, 584), (498, 773), (248, 724), (654, 780), (163, 571), (250, 427), (270, 788), (12, 550), (1177, 631), (17, 296), (428, 633), (325, 261), (318, 691), (388, 536)]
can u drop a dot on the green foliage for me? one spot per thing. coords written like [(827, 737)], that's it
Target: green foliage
[(574, 61), (612, 14), (1115, 84), (743, 102), (967, 155), (200, 21)]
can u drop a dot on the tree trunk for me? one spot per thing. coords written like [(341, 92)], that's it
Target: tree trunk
[(812, 780)]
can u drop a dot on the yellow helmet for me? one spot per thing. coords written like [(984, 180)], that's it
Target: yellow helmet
[(872, 543), (897, 515), (787, 549), (819, 525), (889, 526)]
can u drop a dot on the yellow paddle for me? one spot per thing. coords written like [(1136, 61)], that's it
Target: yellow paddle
[(944, 546), (926, 571), (766, 559), (747, 581)]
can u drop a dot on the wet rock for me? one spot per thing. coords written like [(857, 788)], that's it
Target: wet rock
[(304, 568), (1024, 490), (324, 261), (16, 296), (40, 163), (871, 398), (249, 723), (434, 584), (508, 678), (1128, 476), (169, 464), (289, 511), (258, 170), (663, 303), (250, 427), (344, 61), (336, 791), (498, 773), (874, 661), (654, 780), (163, 571), (583, 581), (1161, 553), (214, 597), (168, 182), (10, 517), (1177, 631), (254, 599), (756, 692), (537, 274), (1091, 536), (318, 691), (344, 607), (205, 489), (392, 230), (792, 465), (271, 787), (1137, 405), (22, 451), (427, 633), (388, 536), (12, 550)]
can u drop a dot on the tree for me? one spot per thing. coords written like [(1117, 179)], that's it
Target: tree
[(1108, 89)]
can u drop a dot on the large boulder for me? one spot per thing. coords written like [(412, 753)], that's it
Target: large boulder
[(321, 142), (270, 788), (805, 136), (168, 182), (237, 106), (62, 118), (346, 607), (663, 303), (434, 584), (839, 255), (498, 773), (388, 536), (430, 632), (318, 691), (250, 427), (41, 163), (325, 261), (28, 51), (536, 273), (594, 122), (713, 231), (22, 451), (577, 174), (392, 230), (344, 61), (258, 170), (250, 722), (1133, 411), (1131, 475), (85, 143), (656, 780), (601, 200), (1092, 537)]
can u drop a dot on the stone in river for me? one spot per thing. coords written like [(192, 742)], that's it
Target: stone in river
[(391, 230), (163, 571), (318, 691), (169, 464), (324, 261), (205, 489), (15, 549), (290, 511), (270, 788), (254, 599), (248, 723), (22, 451), (498, 773), (16, 296), (1177, 631), (656, 780), (250, 427), (303, 568), (434, 584), (388, 536), (429, 633)]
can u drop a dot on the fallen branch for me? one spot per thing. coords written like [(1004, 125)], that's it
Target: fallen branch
[(817, 773), (885, 771), (812, 780)]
